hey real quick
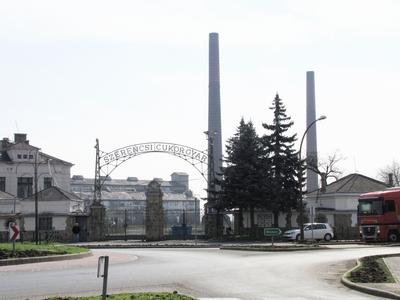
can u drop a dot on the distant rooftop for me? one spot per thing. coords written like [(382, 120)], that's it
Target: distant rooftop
[(117, 196), (353, 184)]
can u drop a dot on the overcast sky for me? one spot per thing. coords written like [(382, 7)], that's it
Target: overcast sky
[(129, 72)]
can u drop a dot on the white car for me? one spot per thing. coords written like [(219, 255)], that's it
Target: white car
[(316, 231)]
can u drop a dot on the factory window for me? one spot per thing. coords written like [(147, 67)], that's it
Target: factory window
[(30, 156), (45, 223), (2, 184), (19, 156), (47, 182), (25, 156), (24, 187)]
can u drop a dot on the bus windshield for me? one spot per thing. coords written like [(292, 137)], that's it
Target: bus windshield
[(370, 206)]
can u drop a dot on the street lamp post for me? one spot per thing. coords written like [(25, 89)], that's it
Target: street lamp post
[(36, 198), (301, 176)]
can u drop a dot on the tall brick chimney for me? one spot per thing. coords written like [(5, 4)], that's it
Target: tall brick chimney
[(20, 138), (312, 177)]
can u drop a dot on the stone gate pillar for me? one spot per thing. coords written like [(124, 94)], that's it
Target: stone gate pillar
[(154, 212), (96, 222)]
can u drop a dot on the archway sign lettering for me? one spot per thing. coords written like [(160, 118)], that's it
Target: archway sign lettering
[(107, 162)]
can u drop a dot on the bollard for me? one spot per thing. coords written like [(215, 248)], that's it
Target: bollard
[(102, 271)]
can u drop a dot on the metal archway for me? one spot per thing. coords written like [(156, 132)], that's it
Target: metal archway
[(107, 162)]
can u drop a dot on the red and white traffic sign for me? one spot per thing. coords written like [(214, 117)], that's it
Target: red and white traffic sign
[(14, 231)]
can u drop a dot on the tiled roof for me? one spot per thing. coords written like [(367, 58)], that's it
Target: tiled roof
[(353, 184), (6, 196), (24, 146), (44, 155), (4, 156), (180, 173), (52, 192)]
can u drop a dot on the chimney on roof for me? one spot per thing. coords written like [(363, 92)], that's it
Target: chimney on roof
[(4, 144), (20, 138), (391, 180)]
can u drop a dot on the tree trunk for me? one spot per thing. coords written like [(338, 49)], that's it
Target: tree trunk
[(324, 182), (289, 219), (240, 222), (276, 219), (252, 225)]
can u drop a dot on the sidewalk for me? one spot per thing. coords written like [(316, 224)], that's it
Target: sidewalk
[(394, 265)]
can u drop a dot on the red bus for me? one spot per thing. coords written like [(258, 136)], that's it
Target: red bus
[(379, 215)]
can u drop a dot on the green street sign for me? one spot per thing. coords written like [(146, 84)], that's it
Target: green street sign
[(271, 232)]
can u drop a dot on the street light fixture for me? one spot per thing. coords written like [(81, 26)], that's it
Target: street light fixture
[(301, 176)]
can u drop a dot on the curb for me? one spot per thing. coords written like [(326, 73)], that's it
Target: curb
[(273, 249), (147, 246), (30, 260), (366, 289)]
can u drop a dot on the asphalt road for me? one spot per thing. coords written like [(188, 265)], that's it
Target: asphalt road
[(202, 273)]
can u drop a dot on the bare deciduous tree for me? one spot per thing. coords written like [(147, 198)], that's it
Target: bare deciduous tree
[(394, 169), (327, 168)]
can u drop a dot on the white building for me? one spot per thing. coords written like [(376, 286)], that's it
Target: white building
[(22, 163), (58, 210), (339, 201), (24, 169)]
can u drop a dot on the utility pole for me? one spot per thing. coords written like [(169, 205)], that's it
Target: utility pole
[(301, 215), (97, 183), (125, 224), (36, 198)]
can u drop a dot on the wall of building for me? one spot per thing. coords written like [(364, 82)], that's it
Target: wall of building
[(53, 207), (59, 223), (59, 173), (9, 206), (20, 159)]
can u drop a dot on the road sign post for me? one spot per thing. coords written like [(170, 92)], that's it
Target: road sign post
[(14, 234), (272, 232)]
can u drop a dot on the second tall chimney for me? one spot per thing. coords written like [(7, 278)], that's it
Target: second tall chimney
[(214, 104), (312, 157)]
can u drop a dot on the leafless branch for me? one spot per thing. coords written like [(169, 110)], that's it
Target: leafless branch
[(327, 168), (393, 168)]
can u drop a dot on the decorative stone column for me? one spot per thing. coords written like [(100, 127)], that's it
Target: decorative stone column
[(214, 227), (96, 226), (154, 212)]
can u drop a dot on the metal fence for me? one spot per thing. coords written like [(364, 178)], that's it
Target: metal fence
[(132, 223)]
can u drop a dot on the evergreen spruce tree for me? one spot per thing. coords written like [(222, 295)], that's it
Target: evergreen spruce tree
[(284, 185), (243, 178)]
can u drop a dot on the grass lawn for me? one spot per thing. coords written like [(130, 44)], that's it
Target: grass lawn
[(51, 248), (135, 296)]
